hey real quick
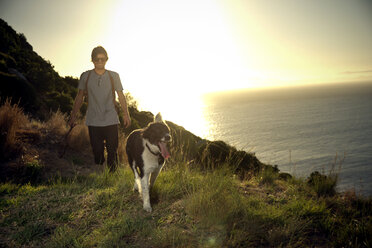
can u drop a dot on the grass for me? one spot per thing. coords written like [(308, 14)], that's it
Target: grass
[(192, 208)]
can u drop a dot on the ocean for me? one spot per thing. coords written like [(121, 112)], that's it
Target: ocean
[(303, 129)]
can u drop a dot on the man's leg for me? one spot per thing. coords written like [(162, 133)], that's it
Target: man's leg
[(96, 140), (112, 142)]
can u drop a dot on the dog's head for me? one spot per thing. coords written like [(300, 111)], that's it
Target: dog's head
[(157, 133)]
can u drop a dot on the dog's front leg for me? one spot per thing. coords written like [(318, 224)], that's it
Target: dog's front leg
[(137, 184), (137, 181), (146, 192)]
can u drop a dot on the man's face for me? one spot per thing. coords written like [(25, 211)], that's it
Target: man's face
[(100, 61)]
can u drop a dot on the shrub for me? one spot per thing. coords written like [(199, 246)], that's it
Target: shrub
[(57, 123), (79, 138), (212, 155), (11, 119), (59, 101), (322, 184), (15, 86), (268, 175), (32, 171)]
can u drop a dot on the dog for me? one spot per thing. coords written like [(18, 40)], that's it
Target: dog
[(147, 151)]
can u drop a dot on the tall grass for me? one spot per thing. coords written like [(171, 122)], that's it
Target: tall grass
[(12, 119), (57, 126), (57, 123), (325, 185), (78, 139), (322, 184), (268, 175), (214, 198)]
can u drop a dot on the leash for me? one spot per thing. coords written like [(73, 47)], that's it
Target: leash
[(156, 154), (65, 142)]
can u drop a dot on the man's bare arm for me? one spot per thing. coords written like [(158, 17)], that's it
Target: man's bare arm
[(124, 107), (77, 105)]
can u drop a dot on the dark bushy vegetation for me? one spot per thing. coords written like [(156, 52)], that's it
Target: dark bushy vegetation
[(27, 78), (322, 184), (217, 153)]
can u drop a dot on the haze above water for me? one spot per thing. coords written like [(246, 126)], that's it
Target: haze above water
[(285, 93)]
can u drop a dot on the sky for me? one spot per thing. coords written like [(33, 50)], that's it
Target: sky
[(170, 51)]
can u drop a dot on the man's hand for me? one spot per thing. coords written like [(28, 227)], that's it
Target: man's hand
[(124, 107), (127, 121), (77, 104)]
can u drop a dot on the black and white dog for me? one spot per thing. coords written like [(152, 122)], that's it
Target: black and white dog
[(147, 150)]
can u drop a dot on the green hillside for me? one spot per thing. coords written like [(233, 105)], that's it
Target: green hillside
[(28, 78)]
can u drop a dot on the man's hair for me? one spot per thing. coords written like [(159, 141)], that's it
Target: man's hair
[(98, 50)]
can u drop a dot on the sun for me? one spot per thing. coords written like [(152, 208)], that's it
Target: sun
[(167, 60)]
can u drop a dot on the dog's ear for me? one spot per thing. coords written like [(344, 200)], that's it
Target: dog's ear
[(158, 118)]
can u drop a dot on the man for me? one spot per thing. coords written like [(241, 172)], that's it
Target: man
[(101, 118)]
